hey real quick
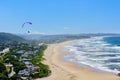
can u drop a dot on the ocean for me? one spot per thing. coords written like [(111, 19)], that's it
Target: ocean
[(98, 53)]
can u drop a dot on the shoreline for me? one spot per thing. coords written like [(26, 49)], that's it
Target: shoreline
[(62, 70)]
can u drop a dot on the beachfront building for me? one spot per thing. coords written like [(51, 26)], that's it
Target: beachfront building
[(4, 51), (28, 53), (24, 59), (26, 72), (20, 51), (28, 64)]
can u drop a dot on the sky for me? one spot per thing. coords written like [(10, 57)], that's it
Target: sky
[(60, 16)]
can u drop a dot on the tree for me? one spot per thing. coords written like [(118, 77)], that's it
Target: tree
[(3, 77), (18, 66), (2, 68), (3, 72), (16, 77)]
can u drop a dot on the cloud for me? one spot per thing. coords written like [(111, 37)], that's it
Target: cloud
[(37, 32), (66, 28)]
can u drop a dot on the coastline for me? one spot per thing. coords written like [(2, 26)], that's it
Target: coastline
[(69, 71)]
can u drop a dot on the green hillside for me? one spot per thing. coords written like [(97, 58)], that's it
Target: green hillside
[(7, 37)]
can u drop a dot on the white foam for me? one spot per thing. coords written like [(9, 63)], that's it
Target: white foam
[(89, 51)]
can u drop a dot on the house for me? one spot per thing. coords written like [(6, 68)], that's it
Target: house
[(9, 65), (26, 72), (28, 53), (41, 44), (37, 68), (24, 59), (20, 51), (35, 51), (4, 51), (28, 64)]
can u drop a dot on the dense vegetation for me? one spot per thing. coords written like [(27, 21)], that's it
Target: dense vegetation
[(13, 58), (37, 60), (7, 37), (3, 70)]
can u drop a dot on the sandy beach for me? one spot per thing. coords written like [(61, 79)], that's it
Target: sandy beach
[(69, 71)]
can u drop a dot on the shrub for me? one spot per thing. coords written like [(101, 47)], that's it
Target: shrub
[(2, 67), (3, 77), (44, 70), (16, 77)]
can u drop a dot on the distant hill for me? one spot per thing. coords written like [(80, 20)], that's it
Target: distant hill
[(8, 37), (38, 38)]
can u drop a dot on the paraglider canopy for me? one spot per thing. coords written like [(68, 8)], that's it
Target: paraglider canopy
[(25, 23)]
